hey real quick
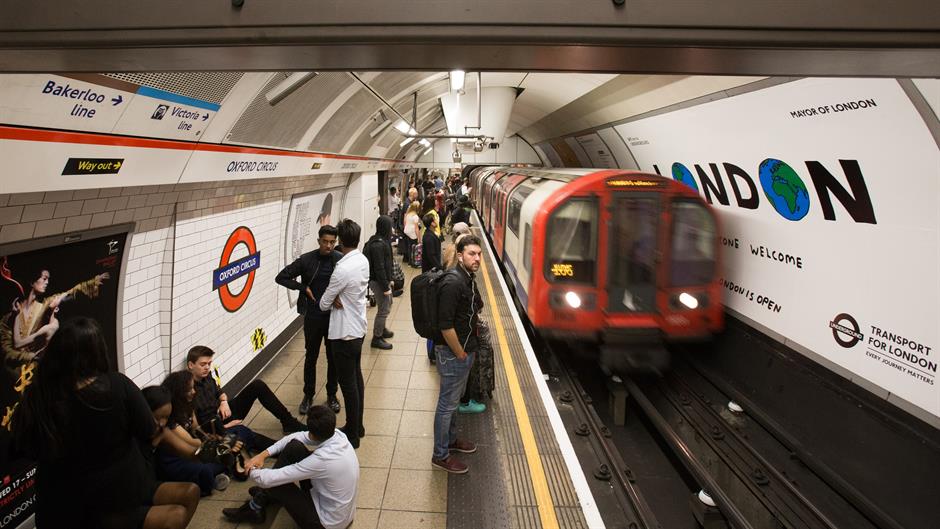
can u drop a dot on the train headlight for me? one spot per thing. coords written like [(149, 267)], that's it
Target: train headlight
[(688, 300), (573, 299)]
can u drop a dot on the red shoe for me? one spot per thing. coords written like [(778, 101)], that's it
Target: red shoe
[(460, 445), (451, 464)]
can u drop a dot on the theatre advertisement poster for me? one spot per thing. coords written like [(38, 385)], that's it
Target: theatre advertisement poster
[(38, 289)]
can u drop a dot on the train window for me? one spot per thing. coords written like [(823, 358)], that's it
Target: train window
[(693, 244), (527, 249), (571, 254), (515, 206)]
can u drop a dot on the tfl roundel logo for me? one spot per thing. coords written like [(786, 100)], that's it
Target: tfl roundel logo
[(845, 330), (229, 271)]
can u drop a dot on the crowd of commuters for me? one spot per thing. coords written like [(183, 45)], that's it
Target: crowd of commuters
[(159, 449)]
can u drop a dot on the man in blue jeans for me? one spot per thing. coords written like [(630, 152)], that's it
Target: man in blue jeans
[(459, 305)]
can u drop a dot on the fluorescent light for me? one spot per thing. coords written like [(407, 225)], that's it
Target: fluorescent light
[(402, 127), (382, 125), (425, 142), (456, 80), (288, 86), (406, 142), (429, 150)]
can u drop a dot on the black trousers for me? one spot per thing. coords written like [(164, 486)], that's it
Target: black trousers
[(259, 391), (348, 356), (315, 330), (296, 500)]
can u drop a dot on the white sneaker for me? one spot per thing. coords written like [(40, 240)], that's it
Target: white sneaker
[(221, 482)]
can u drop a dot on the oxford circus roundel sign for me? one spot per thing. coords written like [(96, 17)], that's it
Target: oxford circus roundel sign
[(228, 270)]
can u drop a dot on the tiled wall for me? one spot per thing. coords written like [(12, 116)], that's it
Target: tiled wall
[(168, 301)]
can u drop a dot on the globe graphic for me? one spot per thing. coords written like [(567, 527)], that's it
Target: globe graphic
[(784, 188), (681, 173)]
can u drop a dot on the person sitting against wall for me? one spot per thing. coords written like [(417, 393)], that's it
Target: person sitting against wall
[(214, 410), (174, 457), (84, 422), (160, 402)]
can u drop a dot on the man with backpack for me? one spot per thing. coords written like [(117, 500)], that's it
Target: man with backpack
[(378, 250), (314, 269), (457, 338)]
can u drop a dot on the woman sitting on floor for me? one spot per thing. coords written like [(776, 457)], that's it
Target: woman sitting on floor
[(176, 447)]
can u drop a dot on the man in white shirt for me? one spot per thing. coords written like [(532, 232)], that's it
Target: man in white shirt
[(345, 298), (328, 477)]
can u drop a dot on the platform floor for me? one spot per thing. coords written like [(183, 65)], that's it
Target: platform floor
[(398, 485)]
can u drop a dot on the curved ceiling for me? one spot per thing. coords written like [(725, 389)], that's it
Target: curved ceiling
[(336, 112)]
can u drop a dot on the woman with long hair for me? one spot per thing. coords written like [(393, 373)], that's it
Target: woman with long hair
[(428, 207), (173, 460), (84, 423), (32, 321)]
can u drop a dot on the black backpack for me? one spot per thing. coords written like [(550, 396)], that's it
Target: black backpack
[(424, 296)]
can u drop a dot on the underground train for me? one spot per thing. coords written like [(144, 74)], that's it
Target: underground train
[(610, 261)]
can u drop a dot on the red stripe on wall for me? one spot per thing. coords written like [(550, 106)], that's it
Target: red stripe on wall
[(56, 136)]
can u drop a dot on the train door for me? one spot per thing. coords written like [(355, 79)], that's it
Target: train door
[(504, 188), (633, 252), (490, 205)]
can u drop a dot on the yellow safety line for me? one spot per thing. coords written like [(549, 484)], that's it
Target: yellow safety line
[(542, 495)]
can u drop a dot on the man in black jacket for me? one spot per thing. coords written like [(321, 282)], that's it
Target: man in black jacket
[(378, 250), (458, 315), (462, 212), (314, 269), (431, 257)]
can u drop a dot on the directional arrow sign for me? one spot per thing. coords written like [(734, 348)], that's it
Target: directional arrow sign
[(117, 100)]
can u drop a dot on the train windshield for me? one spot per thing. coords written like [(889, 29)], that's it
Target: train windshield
[(633, 252), (693, 245), (572, 242)]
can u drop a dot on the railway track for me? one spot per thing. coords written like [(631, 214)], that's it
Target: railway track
[(753, 480)]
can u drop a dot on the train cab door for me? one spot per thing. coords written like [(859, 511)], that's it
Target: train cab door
[(633, 252)]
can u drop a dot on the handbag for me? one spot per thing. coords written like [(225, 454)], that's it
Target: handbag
[(225, 451), (398, 276)]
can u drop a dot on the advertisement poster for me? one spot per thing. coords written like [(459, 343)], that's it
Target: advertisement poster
[(827, 191), (307, 213), (597, 151), (38, 289)]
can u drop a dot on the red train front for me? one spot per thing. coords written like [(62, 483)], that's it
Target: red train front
[(612, 261)]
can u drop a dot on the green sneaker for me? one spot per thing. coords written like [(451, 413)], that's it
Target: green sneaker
[(472, 407)]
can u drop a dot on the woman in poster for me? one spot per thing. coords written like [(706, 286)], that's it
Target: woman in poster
[(26, 330)]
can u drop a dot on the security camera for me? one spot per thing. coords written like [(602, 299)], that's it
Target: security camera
[(478, 146)]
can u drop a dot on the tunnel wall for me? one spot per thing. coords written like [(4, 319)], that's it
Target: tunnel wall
[(827, 193)]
